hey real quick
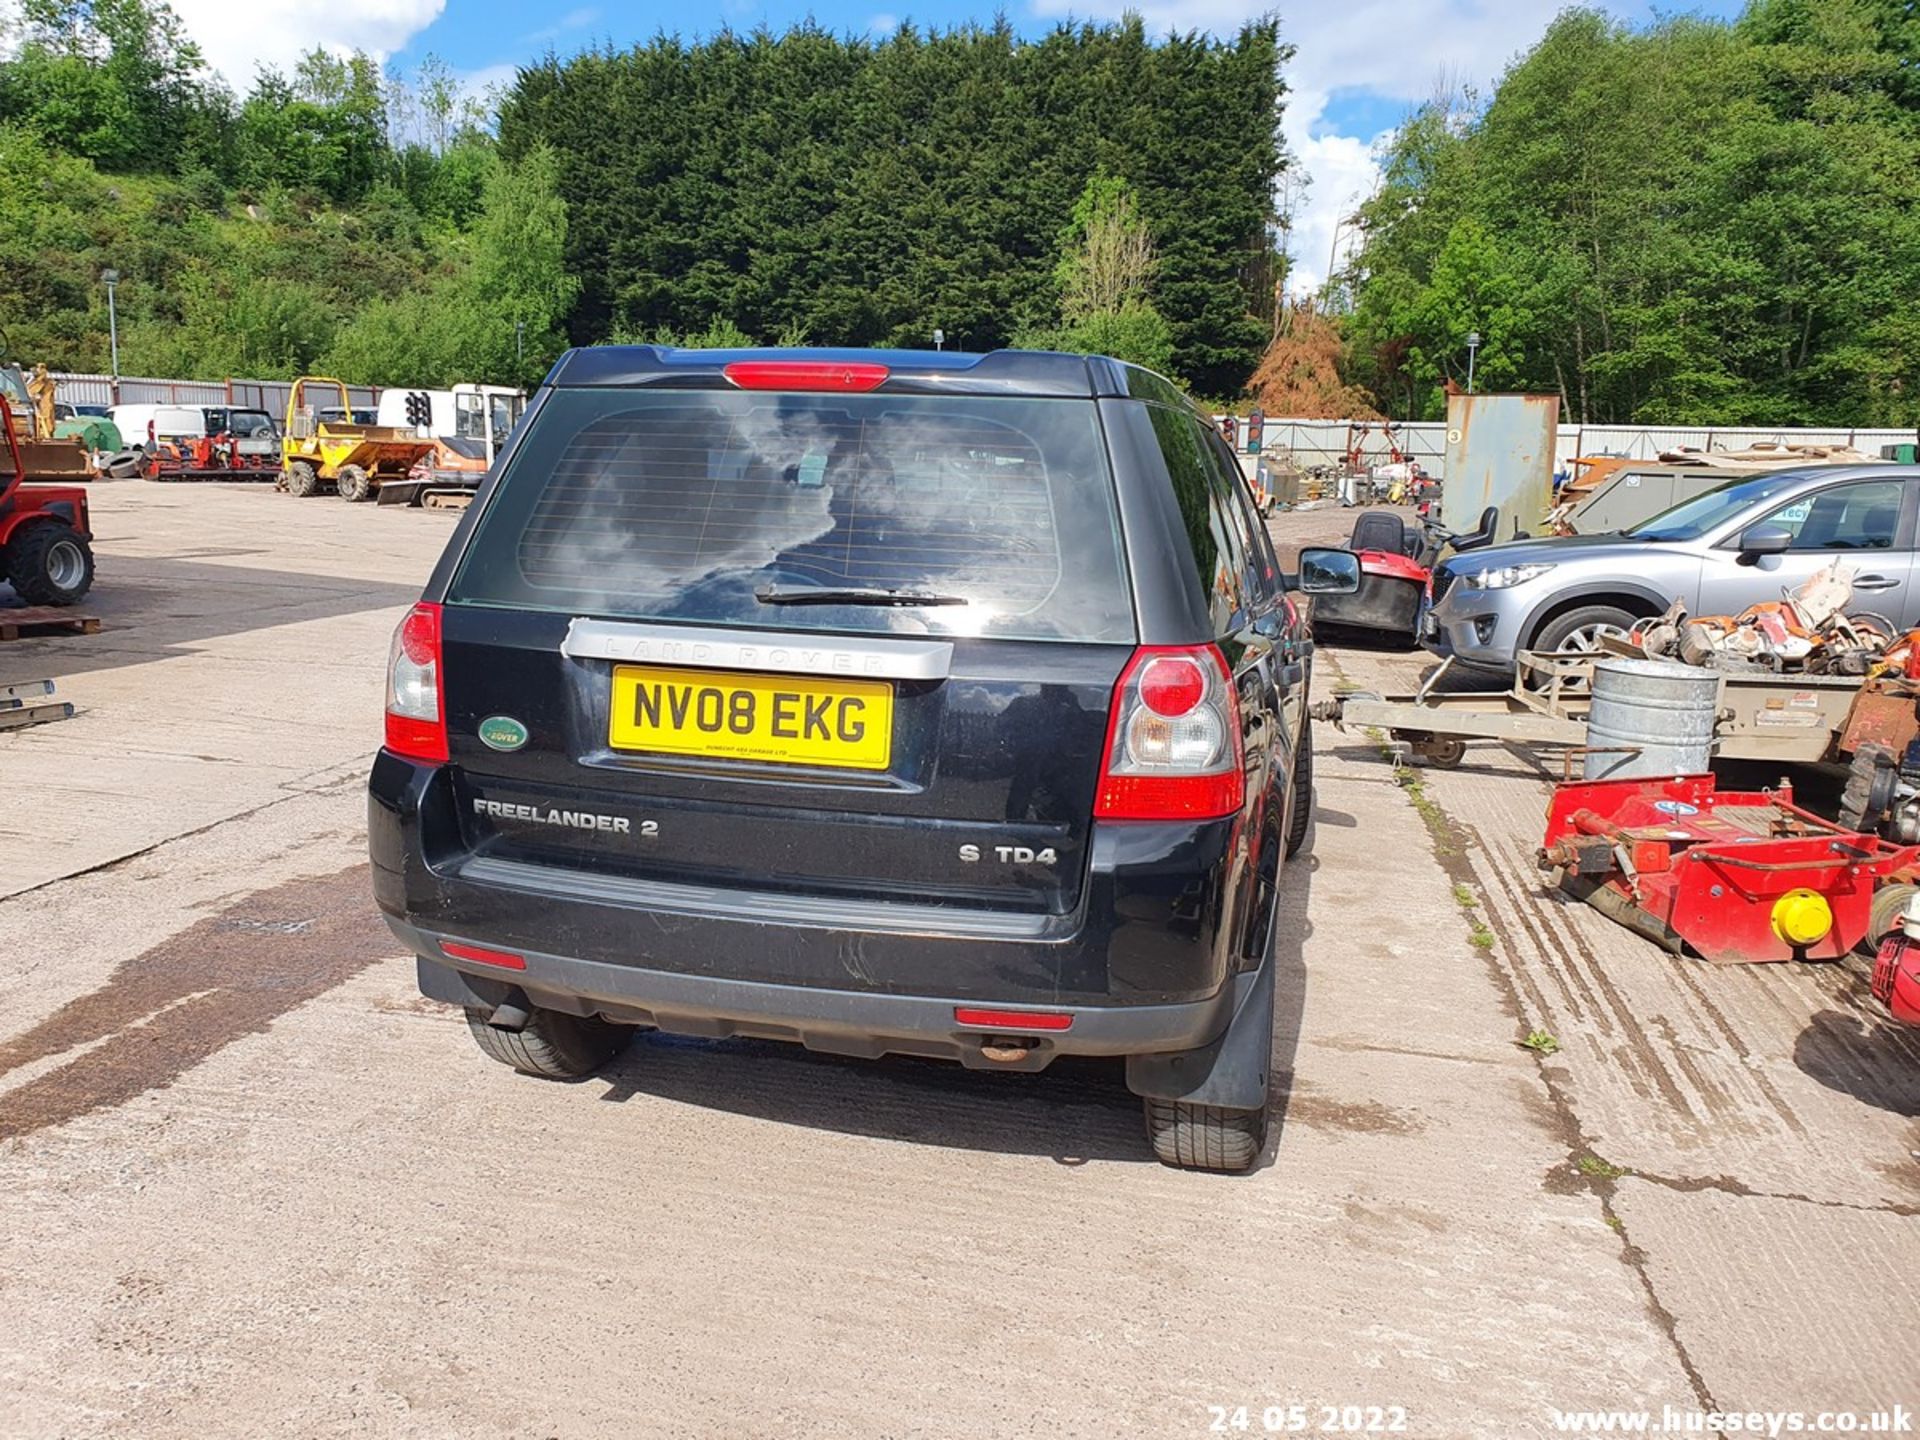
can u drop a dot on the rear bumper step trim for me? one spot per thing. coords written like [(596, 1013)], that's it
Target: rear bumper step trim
[(773, 651), (823, 912)]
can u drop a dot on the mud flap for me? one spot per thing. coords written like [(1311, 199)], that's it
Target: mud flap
[(1234, 1070)]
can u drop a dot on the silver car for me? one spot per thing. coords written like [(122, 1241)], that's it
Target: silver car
[(1744, 542)]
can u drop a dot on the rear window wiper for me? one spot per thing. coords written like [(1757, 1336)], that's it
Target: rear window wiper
[(850, 595)]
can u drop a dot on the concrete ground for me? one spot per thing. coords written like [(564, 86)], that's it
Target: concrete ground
[(252, 1185)]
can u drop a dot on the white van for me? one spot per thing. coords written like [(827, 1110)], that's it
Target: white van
[(482, 415), (138, 424)]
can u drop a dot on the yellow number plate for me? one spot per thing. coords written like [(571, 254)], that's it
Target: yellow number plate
[(789, 719)]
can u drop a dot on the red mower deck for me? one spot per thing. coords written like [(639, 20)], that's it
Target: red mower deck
[(1736, 878)]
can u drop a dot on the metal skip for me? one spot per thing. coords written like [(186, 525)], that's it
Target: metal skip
[(1499, 453)]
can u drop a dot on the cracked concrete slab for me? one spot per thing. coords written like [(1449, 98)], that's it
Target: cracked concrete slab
[(1782, 1304)]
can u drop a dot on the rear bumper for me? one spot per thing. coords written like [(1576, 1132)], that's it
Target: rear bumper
[(1144, 965), (841, 1022)]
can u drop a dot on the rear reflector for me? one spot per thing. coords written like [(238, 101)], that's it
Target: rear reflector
[(1023, 1020), (806, 375), (505, 959)]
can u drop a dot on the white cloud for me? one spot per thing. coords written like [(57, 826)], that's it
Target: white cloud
[(882, 24), (1344, 173), (1402, 50), (238, 38)]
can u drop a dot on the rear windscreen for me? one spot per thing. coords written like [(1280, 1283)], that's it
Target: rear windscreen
[(986, 515)]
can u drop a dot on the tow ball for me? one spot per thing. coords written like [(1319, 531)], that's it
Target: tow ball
[(1740, 877)]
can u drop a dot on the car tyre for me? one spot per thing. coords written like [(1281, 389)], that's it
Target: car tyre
[(301, 479), (1205, 1137), (1577, 629), (49, 564), (1302, 815), (552, 1045)]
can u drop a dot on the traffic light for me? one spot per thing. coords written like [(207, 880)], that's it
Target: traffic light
[(1256, 428), (1229, 428), (419, 410)]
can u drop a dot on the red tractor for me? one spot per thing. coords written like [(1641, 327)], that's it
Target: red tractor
[(46, 548)]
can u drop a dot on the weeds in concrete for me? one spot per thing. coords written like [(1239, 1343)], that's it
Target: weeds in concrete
[(1541, 1043), (1594, 1168), (1478, 935)]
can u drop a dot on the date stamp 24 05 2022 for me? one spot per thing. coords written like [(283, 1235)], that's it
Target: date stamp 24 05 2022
[(1293, 1419)]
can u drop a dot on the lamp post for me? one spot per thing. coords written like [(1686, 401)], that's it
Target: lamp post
[(1473, 348), (519, 342), (111, 278)]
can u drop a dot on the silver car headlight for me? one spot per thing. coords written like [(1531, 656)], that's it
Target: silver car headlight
[(1504, 578)]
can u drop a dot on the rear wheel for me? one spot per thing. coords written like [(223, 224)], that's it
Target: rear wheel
[(1302, 814), (552, 1045), (301, 479), (1205, 1137), (49, 564), (353, 483)]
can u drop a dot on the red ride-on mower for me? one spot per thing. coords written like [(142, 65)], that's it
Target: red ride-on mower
[(1395, 568), (46, 548)]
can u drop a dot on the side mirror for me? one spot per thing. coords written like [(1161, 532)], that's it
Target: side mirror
[(1326, 571), (1764, 540)]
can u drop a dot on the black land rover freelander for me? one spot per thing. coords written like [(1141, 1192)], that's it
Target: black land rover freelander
[(883, 701)]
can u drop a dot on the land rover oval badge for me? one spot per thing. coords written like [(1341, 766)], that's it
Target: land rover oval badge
[(502, 732)]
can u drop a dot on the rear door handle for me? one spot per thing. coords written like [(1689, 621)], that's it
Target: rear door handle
[(1874, 582)]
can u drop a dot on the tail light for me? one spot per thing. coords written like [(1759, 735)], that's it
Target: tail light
[(416, 688), (1173, 738)]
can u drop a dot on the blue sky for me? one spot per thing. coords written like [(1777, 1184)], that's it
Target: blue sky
[(1359, 66)]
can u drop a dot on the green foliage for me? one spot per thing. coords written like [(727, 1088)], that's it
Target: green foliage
[(869, 193), (267, 237), (463, 325), (800, 188), (1697, 222)]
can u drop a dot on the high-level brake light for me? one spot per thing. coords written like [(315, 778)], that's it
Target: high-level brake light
[(851, 375)]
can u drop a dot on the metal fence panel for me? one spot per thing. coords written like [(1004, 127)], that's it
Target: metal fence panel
[(268, 395), (1324, 442)]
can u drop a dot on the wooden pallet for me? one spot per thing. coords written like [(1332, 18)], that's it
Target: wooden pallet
[(45, 620)]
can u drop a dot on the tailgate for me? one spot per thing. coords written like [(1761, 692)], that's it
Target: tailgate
[(959, 775)]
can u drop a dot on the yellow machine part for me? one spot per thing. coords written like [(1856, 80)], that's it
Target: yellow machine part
[(1802, 917)]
